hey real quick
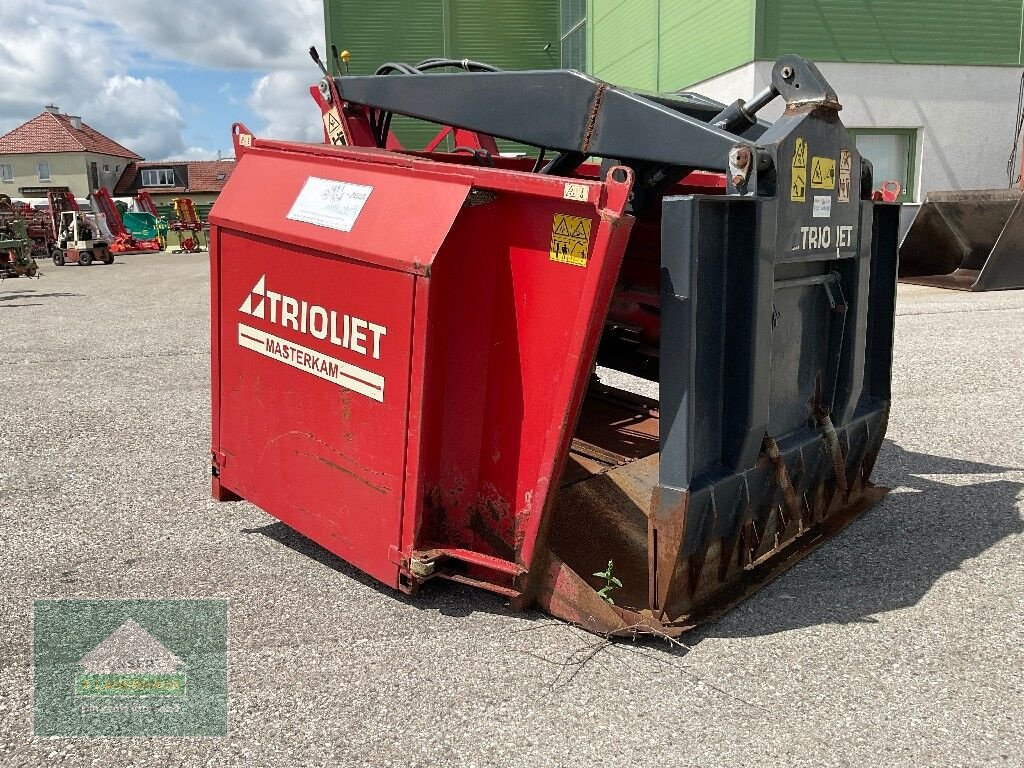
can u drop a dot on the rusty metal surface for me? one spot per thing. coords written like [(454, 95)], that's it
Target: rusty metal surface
[(958, 280), (620, 514), (564, 594), (614, 428)]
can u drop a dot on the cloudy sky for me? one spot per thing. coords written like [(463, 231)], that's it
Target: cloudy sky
[(165, 79)]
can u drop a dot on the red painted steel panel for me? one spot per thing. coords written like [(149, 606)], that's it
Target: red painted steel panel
[(448, 434), (513, 337), (268, 183), (312, 344), (313, 432)]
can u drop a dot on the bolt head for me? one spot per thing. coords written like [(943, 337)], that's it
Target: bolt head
[(787, 72)]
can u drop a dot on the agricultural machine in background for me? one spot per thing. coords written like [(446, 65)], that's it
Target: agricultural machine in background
[(147, 219), (187, 226), (122, 239), (15, 244), (76, 239), (37, 227), (970, 240), (403, 341)]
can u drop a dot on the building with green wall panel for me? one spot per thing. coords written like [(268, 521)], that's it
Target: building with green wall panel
[(892, 31), (519, 34), (652, 44), (929, 86), (671, 44)]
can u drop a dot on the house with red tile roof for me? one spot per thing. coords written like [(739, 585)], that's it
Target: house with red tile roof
[(58, 150), (199, 180)]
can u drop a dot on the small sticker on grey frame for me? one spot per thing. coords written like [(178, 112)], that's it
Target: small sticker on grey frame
[(822, 206), (845, 166)]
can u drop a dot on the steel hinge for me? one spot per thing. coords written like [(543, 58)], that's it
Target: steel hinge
[(396, 557), (218, 459)]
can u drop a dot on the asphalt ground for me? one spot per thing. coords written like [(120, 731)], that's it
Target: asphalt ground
[(901, 642)]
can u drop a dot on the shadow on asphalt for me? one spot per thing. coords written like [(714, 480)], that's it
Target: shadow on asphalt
[(893, 555), (887, 560), (35, 295), (446, 597)]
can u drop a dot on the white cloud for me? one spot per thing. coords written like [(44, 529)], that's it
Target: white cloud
[(230, 34), (143, 114), (79, 65), (197, 153), (83, 55), (259, 35), (282, 101)]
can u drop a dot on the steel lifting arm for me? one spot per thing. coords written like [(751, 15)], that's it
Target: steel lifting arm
[(558, 109), (581, 116)]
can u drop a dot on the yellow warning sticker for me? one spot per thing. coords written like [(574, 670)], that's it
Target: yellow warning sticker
[(570, 239), (823, 173), (800, 154), (798, 193), (332, 127), (845, 166)]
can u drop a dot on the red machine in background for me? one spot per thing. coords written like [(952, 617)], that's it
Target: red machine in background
[(38, 229), (144, 201), (122, 240), (889, 192), (60, 200), (187, 221)]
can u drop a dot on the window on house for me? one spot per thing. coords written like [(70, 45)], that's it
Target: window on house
[(106, 168), (6, 172), (573, 18), (158, 177), (43, 171), (893, 156)]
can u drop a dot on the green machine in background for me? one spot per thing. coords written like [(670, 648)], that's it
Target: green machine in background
[(146, 226), (15, 245)]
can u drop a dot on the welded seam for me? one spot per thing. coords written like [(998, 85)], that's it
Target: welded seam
[(592, 117)]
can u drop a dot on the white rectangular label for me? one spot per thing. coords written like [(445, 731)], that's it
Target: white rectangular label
[(327, 203), (822, 206), (576, 192), (309, 360)]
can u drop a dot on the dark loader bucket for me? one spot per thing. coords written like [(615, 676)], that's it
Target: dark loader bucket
[(971, 241)]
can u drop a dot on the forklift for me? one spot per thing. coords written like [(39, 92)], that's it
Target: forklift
[(76, 239)]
